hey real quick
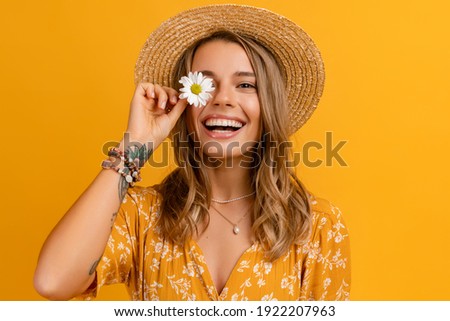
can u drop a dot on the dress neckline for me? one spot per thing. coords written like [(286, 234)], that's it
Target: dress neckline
[(209, 283)]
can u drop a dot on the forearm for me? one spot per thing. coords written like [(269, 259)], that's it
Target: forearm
[(69, 256), (72, 250)]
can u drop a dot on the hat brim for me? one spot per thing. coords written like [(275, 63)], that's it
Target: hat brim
[(294, 50)]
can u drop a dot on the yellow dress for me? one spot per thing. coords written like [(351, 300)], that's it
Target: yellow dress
[(153, 268)]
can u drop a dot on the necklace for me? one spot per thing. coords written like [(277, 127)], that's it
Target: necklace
[(236, 229), (231, 199)]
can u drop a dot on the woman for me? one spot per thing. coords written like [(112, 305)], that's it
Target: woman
[(232, 222)]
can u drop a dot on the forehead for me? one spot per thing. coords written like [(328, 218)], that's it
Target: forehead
[(221, 55)]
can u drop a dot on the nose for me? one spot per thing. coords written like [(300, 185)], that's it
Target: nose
[(223, 96)]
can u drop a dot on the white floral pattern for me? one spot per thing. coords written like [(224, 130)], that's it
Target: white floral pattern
[(155, 269)]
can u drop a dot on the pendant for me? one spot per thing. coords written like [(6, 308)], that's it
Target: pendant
[(236, 230)]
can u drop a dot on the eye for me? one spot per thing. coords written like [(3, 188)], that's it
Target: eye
[(247, 85)]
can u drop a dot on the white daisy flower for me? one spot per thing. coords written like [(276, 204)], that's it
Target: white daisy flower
[(196, 88)]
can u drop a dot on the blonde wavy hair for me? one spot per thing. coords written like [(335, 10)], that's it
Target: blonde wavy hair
[(281, 212)]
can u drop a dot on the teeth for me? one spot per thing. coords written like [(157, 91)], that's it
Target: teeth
[(223, 123)]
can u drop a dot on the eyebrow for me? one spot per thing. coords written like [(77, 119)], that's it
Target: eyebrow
[(245, 74), (237, 73)]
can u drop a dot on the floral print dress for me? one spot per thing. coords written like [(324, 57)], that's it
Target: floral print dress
[(154, 268)]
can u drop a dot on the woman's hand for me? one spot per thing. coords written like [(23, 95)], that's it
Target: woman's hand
[(154, 112)]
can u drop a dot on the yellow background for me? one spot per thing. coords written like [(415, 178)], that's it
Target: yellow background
[(66, 80)]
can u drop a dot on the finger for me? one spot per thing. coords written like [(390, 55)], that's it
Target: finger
[(177, 111), (172, 94), (162, 96), (146, 90)]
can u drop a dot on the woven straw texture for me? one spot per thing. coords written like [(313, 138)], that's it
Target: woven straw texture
[(294, 50)]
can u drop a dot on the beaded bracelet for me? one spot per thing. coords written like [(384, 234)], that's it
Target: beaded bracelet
[(130, 172)]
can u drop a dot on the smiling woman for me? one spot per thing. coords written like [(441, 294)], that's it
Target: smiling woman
[(232, 222)]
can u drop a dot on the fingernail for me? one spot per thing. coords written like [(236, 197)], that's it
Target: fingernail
[(152, 94), (163, 104), (174, 99)]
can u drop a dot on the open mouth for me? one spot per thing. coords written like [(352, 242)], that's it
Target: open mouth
[(222, 125)]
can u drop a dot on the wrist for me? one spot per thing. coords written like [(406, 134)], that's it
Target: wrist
[(148, 143), (136, 151), (132, 139), (125, 163)]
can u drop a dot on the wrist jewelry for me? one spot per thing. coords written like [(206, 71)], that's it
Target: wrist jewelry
[(130, 172)]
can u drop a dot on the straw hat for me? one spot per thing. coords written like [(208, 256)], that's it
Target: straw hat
[(294, 50)]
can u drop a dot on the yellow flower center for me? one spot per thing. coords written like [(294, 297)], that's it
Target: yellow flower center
[(196, 89)]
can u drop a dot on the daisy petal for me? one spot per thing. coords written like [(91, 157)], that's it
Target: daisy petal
[(202, 101), (200, 78), (207, 82), (186, 82), (204, 96), (192, 100)]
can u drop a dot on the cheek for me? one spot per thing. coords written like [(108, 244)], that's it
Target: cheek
[(255, 113)]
